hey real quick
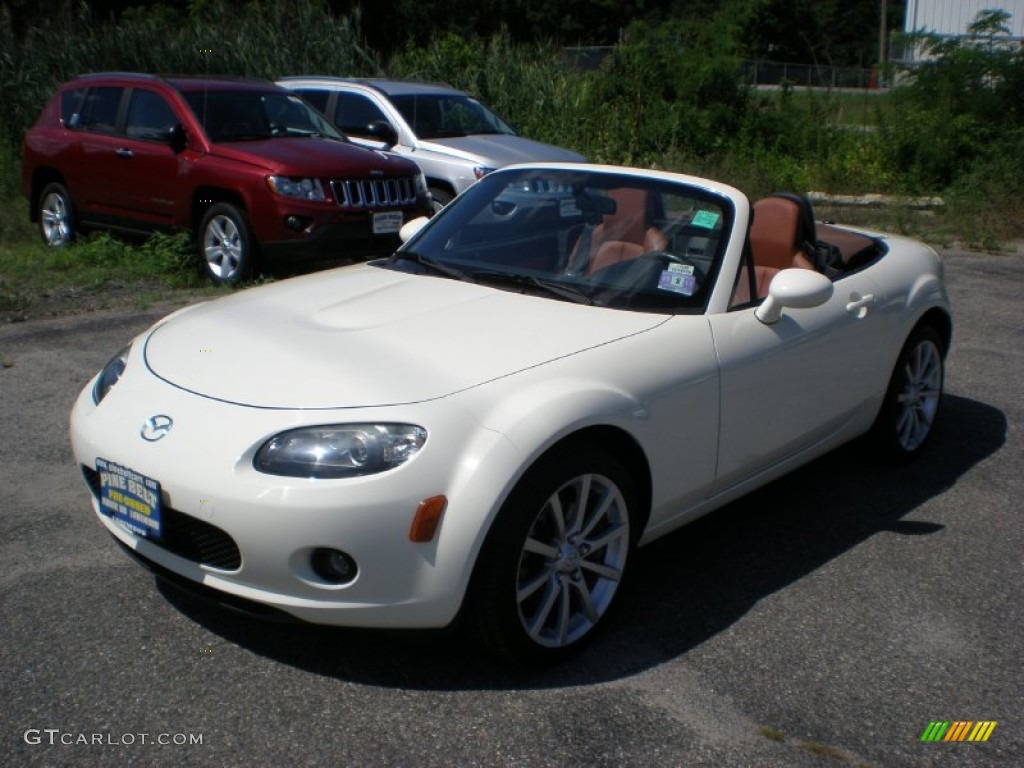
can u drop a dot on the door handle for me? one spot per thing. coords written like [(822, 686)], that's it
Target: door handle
[(124, 154), (858, 305)]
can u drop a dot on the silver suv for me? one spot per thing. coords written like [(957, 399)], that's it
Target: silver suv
[(452, 137)]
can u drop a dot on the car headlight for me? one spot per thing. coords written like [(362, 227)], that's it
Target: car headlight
[(110, 374), (306, 189), (482, 170), (339, 450)]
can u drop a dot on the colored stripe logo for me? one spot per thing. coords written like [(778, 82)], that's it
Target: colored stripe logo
[(958, 730)]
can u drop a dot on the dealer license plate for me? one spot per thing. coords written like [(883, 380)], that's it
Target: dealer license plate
[(387, 222), (132, 499)]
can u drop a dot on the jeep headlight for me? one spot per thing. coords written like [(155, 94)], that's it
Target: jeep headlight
[(110, 374), (339, 450), (305, 189)]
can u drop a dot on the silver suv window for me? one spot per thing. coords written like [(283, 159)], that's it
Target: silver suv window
[(354, 112), (435, 116)]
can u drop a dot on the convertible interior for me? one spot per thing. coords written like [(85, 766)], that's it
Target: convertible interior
[(645, 246), (784, 235)]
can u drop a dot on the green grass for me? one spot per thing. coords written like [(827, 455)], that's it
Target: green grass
[(94, 272), (98, 259)]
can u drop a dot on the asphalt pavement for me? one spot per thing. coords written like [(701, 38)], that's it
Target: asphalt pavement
[(825, 620)]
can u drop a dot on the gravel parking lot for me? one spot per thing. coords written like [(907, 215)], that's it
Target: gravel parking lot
[(825, 620)]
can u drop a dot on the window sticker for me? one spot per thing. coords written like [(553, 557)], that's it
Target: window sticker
[(678, 278), (705, 219), (567, 208)]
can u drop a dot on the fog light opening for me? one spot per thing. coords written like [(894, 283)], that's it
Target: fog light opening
[(333, 565), (297, 223)]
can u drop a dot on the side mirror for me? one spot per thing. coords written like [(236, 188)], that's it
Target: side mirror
[(382, 130), (176, 137), (410, 228), (794, 288)]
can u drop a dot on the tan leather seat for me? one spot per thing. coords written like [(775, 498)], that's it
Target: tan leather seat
[(777, 234), (625, 234), (781, 233)]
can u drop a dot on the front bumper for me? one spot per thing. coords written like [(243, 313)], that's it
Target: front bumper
[(289, 228), (251, 536)]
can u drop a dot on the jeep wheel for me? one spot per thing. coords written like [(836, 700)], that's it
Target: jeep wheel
[(56, 216), (225, 244)]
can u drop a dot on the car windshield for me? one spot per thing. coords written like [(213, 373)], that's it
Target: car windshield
[(444, 115), (592, 237), (245, 115)]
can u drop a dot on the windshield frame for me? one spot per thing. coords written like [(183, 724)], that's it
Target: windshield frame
[(478, 236)]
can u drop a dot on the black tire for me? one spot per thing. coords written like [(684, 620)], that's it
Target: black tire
[(56, 215), (225, 244), (441, 197), (541, 590), (911, 406)]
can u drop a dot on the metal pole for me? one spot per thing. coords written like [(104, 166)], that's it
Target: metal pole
[(881, 34)]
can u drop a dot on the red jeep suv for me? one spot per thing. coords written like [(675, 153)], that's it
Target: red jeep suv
[(244, 165)]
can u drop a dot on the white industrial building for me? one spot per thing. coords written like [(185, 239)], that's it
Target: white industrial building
[(950, 18)]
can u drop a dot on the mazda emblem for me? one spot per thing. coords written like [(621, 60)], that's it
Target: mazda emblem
[(156, 427)]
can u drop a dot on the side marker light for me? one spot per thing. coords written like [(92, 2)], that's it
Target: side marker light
[(427, 518)]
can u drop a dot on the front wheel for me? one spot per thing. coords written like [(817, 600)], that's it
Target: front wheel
[(555, 558), (912, 400), (225, 244), (441, 198), (56, 215)]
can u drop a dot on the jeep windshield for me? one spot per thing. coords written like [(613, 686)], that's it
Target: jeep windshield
[(438, 116), (245, 115)]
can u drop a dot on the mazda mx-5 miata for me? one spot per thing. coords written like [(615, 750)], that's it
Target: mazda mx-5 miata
[(565, 363)]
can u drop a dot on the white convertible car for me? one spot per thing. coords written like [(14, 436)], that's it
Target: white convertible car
[(565, 363)]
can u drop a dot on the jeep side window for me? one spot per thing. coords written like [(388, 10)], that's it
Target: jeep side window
[(100, 108), (354, 112), (149, 116), (71, 107)]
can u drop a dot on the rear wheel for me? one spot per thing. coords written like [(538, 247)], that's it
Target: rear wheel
[(225, 244), (912, 400), (555, 558), (56, 215)]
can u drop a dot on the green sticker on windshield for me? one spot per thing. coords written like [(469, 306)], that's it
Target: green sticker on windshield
[(706, 219)]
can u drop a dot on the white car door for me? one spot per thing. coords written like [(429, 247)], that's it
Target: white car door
[(812, 375)]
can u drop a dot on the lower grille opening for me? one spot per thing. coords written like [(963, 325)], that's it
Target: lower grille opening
[(185, 536)]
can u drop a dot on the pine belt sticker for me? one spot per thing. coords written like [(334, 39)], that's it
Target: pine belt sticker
[(678, 278), (705, 219)]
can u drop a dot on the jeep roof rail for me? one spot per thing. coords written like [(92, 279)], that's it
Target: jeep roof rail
[(139, 75)]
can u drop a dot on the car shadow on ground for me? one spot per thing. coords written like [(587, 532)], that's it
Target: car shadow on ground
[(684, 589)]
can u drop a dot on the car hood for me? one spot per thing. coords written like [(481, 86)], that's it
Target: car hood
[(323, 158), (499, 150), (366, 336)]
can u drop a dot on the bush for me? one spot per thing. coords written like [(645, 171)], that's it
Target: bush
[(670, 95)]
